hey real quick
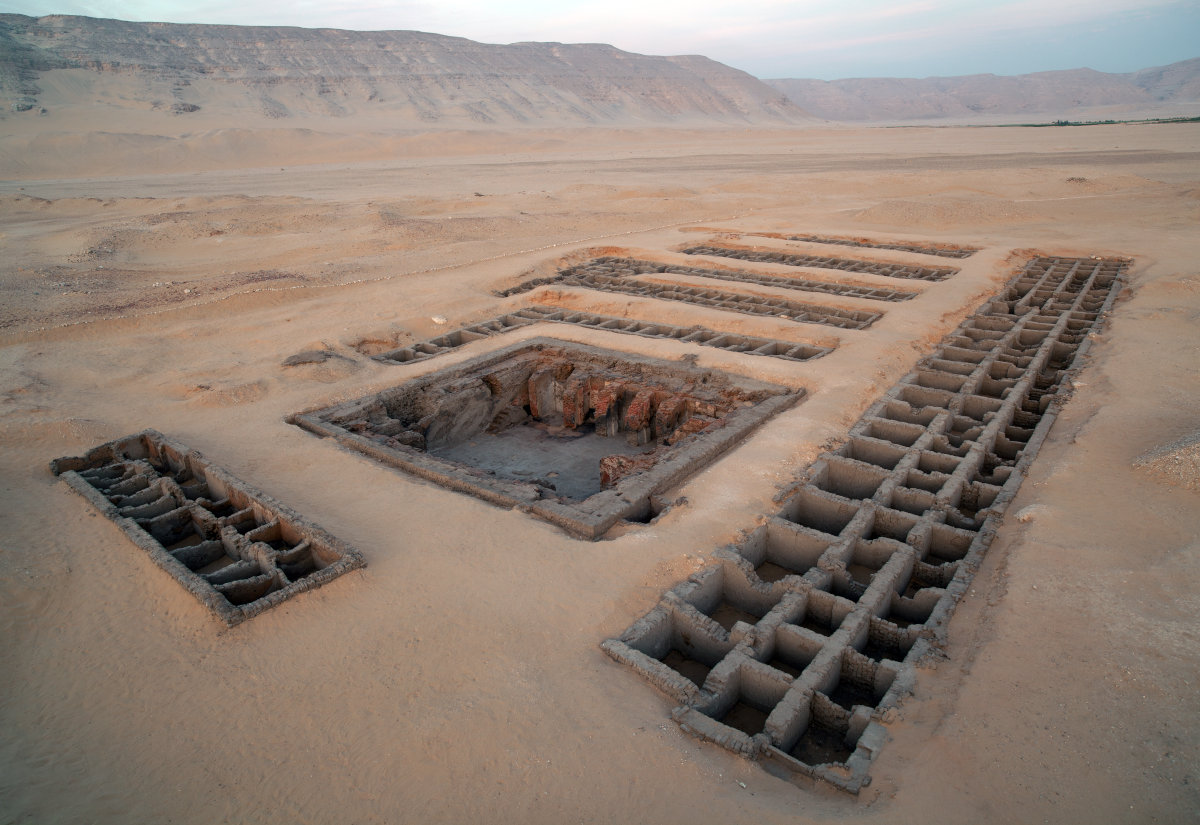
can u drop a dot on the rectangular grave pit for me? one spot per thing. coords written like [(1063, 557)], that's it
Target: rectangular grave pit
[(234, 548), (580, 436), (868, 555)]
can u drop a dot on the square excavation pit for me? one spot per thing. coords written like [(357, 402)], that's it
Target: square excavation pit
[(580, 436), (234, 548)]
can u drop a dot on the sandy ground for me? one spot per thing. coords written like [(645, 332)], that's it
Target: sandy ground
[(458, 677)]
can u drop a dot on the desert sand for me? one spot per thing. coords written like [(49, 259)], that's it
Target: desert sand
[(458, 677)]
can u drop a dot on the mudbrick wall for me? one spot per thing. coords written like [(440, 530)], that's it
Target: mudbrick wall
[(748, 344), (234, 548), (618, 275), (940, 250), (920, 273), (692, 415), (937, 249), (796, 646), (630, 267)]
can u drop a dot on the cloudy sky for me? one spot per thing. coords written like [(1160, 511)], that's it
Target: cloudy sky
[(769, 38)]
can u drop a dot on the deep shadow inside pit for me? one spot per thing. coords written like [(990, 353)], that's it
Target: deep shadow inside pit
[(566, 421), (581, 436), (563, 461)]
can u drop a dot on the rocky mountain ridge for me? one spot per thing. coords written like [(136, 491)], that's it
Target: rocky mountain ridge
[(425, 79), (121, 76), (1172, 90)]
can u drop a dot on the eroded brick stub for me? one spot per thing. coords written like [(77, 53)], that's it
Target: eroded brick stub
[(803, 637), (580, 436), (234, 548)]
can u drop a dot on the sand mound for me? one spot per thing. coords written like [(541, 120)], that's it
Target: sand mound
[(1176, 463)]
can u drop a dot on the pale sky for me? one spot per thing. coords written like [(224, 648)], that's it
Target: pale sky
[(768, 38)]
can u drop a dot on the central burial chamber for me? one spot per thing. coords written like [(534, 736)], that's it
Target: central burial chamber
[(580, 436)]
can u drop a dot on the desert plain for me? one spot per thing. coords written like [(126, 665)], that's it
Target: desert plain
[(458, 676)]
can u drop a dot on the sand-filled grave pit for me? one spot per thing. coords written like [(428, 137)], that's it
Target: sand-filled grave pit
[(580, 436)]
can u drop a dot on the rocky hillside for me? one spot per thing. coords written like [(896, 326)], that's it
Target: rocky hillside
[(1172, 90), (405, 76)]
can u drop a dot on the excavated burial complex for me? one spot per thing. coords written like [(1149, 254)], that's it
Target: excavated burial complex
[(800, 641), (887, 270), (730, 342), (941, 251), (803, 637), (619, 275), (580, 436), (612, 267), (234, 548)]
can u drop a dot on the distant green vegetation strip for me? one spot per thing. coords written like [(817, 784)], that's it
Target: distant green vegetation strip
[(1044, 125), (1110, 122)]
